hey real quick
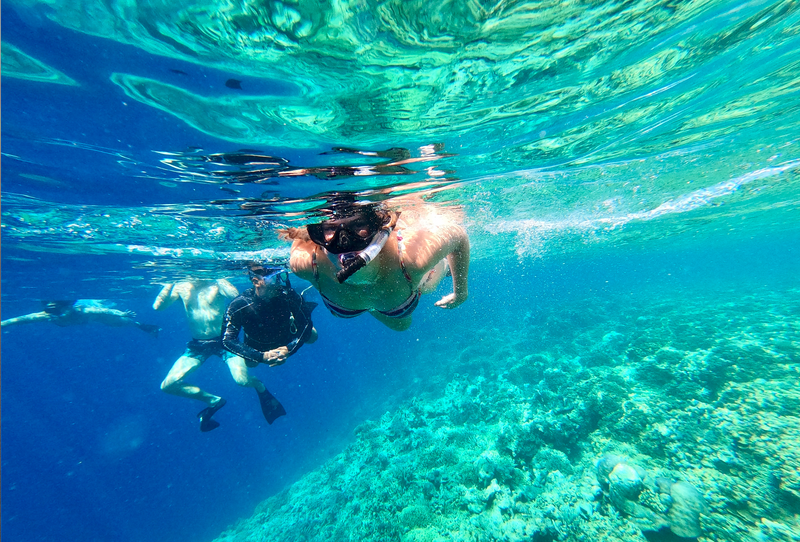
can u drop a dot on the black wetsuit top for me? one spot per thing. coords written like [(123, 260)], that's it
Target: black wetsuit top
[(283, 320)]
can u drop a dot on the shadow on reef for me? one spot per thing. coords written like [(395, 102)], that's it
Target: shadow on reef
[(665, 535), (669, 417)]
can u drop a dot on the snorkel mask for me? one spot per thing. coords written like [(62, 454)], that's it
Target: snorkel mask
[(355, 240), (270, 275), (351, 234)]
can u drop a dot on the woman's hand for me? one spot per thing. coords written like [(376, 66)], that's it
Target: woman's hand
[(451, 301), (276, 356)]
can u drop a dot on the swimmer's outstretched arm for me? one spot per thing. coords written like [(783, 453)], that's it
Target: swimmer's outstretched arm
[(166, 297), (27, 319)]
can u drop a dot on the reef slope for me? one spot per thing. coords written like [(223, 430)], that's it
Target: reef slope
[(503, 442)]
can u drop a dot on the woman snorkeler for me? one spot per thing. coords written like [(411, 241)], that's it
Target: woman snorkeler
[(366, 258)]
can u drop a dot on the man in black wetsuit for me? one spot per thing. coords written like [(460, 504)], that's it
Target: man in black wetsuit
[(276, 322)]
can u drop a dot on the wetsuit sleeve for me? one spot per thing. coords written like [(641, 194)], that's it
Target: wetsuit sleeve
[(231, 327)]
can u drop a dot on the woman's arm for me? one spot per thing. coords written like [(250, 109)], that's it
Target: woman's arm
[(300, 260), (428, 247)]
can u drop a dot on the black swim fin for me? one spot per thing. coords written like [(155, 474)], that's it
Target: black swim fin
[(151, 329), (206, 423), (271, 407)]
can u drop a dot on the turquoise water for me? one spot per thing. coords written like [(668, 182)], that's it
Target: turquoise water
[(628, 176)]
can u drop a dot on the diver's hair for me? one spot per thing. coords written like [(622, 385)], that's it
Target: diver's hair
[(393, 217), (294, 234)]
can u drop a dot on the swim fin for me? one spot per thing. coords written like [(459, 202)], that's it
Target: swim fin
[(206, 423), (151, 329), (271, 407)]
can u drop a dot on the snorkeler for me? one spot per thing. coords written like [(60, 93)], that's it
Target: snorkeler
[(276, 322), (79, 312), (204, 302), (365, 258)]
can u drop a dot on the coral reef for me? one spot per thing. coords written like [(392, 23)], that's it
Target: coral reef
[(676, 416)]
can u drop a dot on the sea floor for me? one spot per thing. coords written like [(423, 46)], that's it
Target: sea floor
[(668, 416)]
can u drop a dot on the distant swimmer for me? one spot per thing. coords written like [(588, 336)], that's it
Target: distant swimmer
[(204, 302), (276, 321), (79, 312), (368, 258)]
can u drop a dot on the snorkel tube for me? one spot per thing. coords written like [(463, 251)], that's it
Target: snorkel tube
[(352, 264)]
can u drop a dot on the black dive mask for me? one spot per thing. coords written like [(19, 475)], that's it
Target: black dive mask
[(352, 234), (271, 275)]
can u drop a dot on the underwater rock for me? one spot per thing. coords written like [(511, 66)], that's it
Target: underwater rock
[(491, 491), (474, 501), (625, 484), (605, 465), (684, 514), (626, 481), (517, 530), (383, 459), (415, 516), (549, 460), (491, 465), (435, 478)]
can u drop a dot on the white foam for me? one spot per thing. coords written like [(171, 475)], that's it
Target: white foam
[(534, 233)]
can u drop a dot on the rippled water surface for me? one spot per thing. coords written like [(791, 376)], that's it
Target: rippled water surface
[(146, 140), (556, 125)]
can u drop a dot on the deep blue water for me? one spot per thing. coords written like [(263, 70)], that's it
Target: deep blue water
[(92, 449)]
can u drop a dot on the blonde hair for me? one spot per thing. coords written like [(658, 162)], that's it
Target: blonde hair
[(294, 234)]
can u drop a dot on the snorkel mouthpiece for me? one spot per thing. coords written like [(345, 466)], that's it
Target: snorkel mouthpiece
[(351, 265), (350, 268)]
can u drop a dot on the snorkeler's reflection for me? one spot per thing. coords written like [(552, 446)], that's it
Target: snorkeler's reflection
[(251, 166)]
